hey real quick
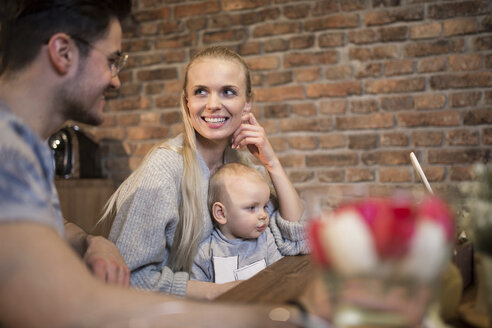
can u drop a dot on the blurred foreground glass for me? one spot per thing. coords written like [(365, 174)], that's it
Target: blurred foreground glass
[(382, 254)]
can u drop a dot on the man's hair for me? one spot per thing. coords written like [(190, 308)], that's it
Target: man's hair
[(28, 24)]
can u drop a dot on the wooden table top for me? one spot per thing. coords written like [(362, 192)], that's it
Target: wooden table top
[(269, 285)]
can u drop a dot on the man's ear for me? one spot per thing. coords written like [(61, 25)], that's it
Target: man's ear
[(218, 211), (61, 52)]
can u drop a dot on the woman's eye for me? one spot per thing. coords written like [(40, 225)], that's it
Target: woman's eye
[(230, 92), (199, 92)]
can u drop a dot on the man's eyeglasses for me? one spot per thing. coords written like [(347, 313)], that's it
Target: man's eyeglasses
[(116, 62)]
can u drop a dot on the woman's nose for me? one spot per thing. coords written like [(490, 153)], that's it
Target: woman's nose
[(213, 101)]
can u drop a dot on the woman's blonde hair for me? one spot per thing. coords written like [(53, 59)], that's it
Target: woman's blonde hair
[(189, 229)]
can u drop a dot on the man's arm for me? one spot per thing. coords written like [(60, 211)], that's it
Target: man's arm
[(44, 284), (99, 254)]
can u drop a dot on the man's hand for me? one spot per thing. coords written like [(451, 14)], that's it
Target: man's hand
[(105, 261)]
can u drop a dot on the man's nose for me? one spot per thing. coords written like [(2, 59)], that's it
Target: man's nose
[(115, 82)]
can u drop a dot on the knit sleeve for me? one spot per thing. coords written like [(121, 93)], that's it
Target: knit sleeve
[(144, 226), (202, 265), (289, 236)]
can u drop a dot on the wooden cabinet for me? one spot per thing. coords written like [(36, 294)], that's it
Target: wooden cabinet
[(82, 200)]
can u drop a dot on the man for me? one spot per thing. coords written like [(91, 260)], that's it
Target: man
[(58, 59)]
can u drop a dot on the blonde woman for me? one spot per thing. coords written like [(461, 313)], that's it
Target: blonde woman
[(160, 212)]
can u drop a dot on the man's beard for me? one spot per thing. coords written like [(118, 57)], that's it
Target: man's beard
[(76, 109)]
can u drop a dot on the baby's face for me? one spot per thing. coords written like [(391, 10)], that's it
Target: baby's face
[(245, 207)]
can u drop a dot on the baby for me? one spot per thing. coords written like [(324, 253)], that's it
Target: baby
[(242, 243)]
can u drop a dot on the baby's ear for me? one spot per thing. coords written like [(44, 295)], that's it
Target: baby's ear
[(218, 211)]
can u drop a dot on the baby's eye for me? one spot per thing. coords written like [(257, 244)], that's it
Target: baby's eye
[(251, 208)]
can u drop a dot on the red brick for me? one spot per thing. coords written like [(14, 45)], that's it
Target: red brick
[(332, 159), (173, 86), (296, 11), (196, 23), (108, 121), (338, 72), (142, 148), (150, 59), (330, 176), (389, 16), (196, 9), (310, 58), (439, 118), (488, 97), (430, 30), (136, 45), (372, 121), (179, 41), (362, 36), (302, 41), (129, 104), (331, 40), (394, 139), (429, 101), (373, 53), (305, 124), (171, 117), (488, 61), (332, 22), (325, 7), (304, 109), (397, 103), (130, 90), (369, 70), (279, 93), (150, 119), (333, 107), (364, 106), (461, 156), (276, 45), (151, 15), (426, 139), (399, 67), (441, 47), (223, 36), (360, 175), (351, 5), (394, 174), (270, 29), (395, 86), (341, 89), (279, 144), (303, 143), (459, 26), (487, 136), (307, 74), (168, 27), (249, 48), (386, 157), (393, 33), (299, 176), (462, 138), (276, 111), (149, 29), (461, 173), (465, 80), (154, 88), (331, 141), (460, 8), (433, 173), (362, 141), (278, 78), (116, 133), (147, 132), (465, 99), (478, 116), (292, 160), (469, 62), (482, 43), (263, 63), (230, 5), (167, 101), (128, 119), (432, 64)]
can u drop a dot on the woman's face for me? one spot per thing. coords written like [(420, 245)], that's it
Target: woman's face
[(216, 97)]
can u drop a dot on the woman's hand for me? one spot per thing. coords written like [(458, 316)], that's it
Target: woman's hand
[(252, 135)]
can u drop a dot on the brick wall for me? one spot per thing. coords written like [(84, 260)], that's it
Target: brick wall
[(345, 89)]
